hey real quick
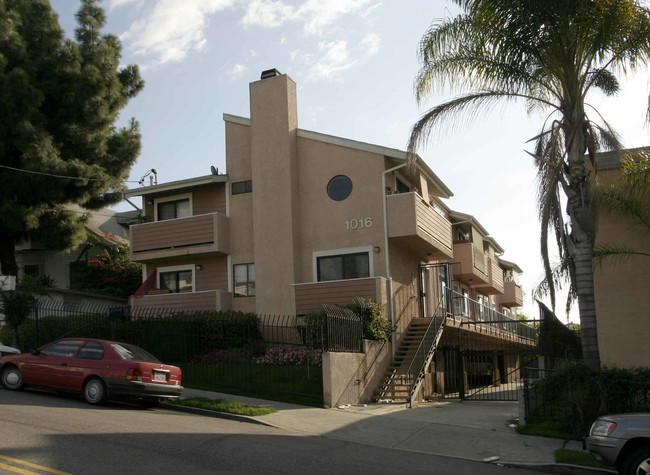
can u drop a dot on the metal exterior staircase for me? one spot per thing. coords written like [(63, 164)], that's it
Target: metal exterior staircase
[(405, 375)]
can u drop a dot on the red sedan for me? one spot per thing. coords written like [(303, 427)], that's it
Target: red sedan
[(98, 369)]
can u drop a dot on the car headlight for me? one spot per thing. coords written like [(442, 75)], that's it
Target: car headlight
[(602, 428)]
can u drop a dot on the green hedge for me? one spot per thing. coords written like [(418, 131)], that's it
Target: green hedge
[(170, 339), (576, 394)]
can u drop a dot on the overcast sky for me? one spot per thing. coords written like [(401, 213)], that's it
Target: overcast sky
[(354, 62)]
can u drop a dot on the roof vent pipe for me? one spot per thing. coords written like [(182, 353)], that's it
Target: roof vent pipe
[(270, 73)]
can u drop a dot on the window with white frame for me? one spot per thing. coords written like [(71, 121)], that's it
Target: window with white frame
[(173, 207), (465, 302), (244, 280), (176, 279)]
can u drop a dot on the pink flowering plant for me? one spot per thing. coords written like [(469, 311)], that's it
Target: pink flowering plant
[(280, 355), (229, 355), (112, 273), (291, 356)]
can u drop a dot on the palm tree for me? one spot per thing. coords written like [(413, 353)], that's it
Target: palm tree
[(550, 54)]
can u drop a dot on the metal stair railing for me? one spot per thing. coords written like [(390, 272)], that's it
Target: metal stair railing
[(424, 354), (408, 378)]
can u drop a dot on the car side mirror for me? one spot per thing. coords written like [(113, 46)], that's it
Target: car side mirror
[(35, 352)]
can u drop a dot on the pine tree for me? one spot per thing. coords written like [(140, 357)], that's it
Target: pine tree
[(59, 101)]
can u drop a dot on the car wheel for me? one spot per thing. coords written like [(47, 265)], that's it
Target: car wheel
[(636, 462), (95, 391), (11, 378)]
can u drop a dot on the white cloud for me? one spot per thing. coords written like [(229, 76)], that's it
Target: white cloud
[(317, 15), (112, 4), (320, 14), (370, 44), (234, 72), (369, 11), (172, 28), (267, 13), (334, 60)]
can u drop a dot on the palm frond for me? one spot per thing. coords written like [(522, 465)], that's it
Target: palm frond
[(459, 111), (614, 253)]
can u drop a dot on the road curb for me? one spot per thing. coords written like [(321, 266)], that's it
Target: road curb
[(559, 468)]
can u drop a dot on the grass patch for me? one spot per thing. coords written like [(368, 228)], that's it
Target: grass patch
[(576, 457), (550, 429), (222, 405), (555, 430)]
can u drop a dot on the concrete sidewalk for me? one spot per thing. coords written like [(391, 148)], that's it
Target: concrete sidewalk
[(471, 430)]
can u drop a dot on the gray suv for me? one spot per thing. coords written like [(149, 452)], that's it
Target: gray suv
[(622, 440)]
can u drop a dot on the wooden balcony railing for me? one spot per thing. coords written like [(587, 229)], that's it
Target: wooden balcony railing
[(310, 296), (205, 300), (469, 264), (412, 221), (202, 234), (494, 283), (513, 295)]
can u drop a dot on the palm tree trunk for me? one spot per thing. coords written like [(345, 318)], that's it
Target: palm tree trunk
[(584, 270), (580, 245)]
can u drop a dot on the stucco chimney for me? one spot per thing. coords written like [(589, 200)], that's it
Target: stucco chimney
[(274, 124)]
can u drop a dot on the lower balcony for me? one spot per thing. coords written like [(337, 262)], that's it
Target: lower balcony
[(310, 297), (205, 300)]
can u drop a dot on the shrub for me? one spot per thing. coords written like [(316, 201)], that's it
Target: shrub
[(577, 393), (315, 329), (375, 325), (113, 273)]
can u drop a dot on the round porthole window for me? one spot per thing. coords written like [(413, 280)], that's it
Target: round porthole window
[(339, 188)]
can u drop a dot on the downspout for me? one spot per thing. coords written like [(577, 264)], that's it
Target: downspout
[(391, 303)]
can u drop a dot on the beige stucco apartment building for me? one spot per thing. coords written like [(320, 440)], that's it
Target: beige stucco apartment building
[(622, 285), (303, 219)]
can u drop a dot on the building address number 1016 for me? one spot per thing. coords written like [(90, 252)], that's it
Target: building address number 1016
[(361, 223)]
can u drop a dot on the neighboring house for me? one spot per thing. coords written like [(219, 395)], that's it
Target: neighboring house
[(303, 219), (621, 284), (65, 268)]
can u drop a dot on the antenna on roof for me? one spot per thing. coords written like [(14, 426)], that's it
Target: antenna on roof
[(153, 180), (214, 171)]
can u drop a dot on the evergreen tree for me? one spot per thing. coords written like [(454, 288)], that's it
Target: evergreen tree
[(59, 101)]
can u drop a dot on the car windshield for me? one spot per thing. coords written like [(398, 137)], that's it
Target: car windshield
[(132, 352)]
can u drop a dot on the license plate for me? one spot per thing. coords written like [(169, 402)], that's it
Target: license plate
[(158, 376)]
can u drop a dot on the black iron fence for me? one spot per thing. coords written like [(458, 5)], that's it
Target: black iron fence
[(221, 351)]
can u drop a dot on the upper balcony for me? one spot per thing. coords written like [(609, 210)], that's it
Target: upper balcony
[(513, 295), (417, 225), (494, 283), (470, 264), (192, 236)]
